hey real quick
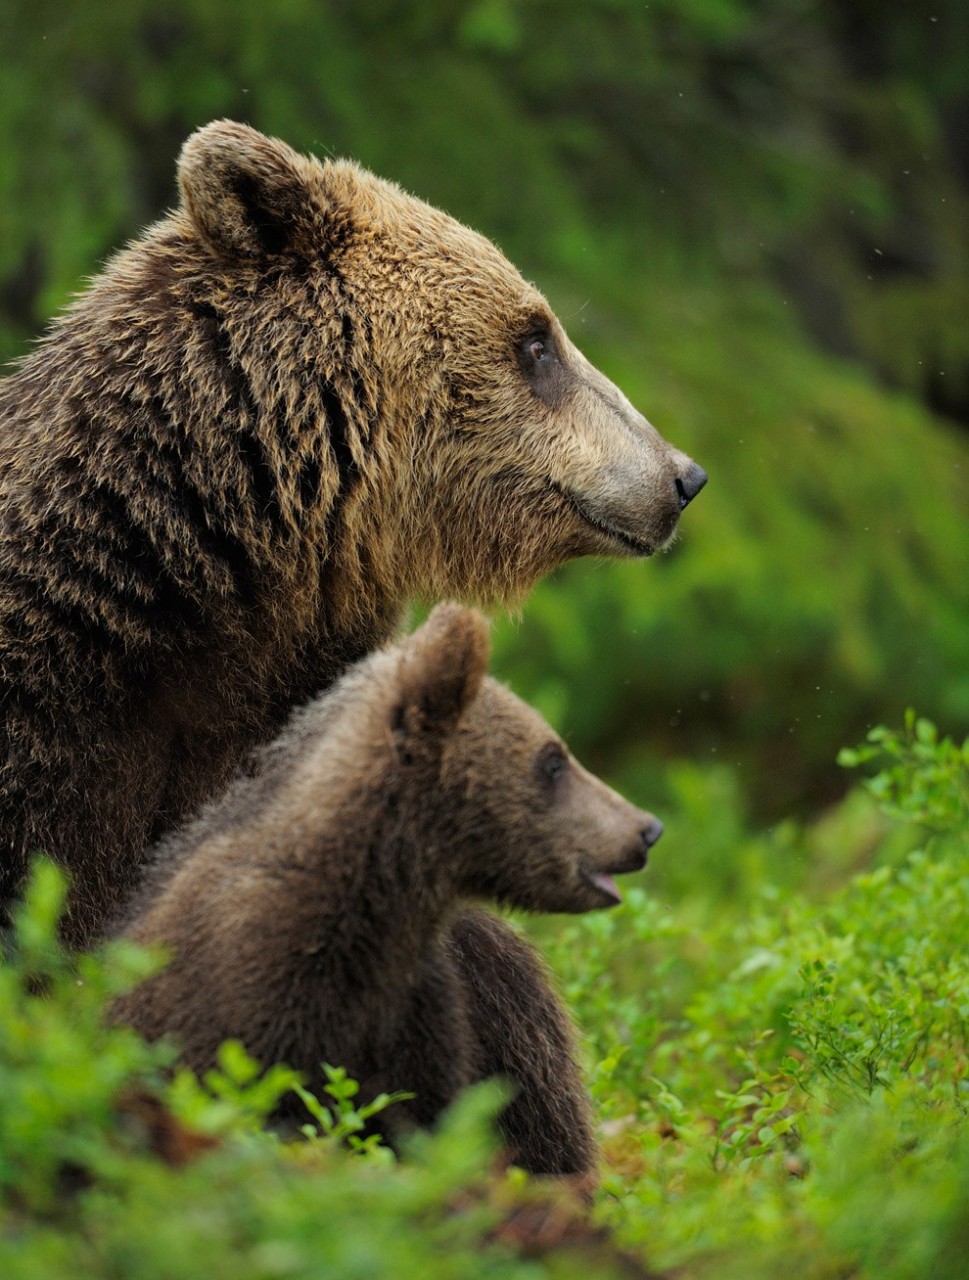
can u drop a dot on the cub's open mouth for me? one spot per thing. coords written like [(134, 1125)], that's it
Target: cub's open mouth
[(605, 884), (634, 545), (602, 879)]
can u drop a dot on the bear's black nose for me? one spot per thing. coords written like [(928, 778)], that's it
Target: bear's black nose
[(690, 483)]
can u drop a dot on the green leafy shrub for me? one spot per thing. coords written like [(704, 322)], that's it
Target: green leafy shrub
[(61, 1068), (782, 1065), (923, 778)]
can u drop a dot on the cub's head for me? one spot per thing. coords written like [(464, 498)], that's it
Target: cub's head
[(498, 792), (466, 443)]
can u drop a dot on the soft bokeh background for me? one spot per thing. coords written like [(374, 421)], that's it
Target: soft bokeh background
[(752, 214)]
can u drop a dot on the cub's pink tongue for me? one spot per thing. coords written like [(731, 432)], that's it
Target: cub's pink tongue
[(606, 884)]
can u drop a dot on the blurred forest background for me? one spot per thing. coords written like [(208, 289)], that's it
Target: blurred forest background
[(752, 214)]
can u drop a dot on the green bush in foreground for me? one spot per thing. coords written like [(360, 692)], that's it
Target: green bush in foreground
[(113, 1164), (781, 1065), (784, 1075)]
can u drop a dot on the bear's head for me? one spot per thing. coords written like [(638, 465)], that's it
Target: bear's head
[(469, 446), (492, 788)]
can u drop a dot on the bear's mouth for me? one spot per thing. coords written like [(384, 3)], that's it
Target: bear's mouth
[(635, 545), (603, 883), (601, 879)]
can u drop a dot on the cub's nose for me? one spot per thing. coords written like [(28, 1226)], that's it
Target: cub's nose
[(689, 484), (650, 833)]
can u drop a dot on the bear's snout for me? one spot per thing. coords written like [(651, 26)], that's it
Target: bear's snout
[(646, 837), (689, 485), (636, 853)]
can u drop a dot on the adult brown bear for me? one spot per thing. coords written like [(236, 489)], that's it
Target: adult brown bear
[(300, 400)]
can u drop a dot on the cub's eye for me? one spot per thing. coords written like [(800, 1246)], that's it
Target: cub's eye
[(552, 762), (536, 348)]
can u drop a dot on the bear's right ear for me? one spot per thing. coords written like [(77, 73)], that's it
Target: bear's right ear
[(246, 193), (442, 667)]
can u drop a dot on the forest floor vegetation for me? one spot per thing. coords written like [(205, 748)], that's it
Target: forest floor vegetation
[(780, 1065)]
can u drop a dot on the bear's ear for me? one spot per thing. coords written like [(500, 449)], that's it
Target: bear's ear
[(441, 670), (246, 194)]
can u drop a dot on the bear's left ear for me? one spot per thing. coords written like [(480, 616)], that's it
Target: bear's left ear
[(246, 194), (442, 667)]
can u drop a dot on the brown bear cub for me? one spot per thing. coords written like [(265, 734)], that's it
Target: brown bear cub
[(322, 911), (300, 401)]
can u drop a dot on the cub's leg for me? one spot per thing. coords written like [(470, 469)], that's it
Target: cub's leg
[(522, 1032)]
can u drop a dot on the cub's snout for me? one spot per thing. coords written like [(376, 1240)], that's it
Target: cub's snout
[(646, 836), (651, 833), (634, 858)]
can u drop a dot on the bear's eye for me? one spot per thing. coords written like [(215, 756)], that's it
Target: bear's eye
[(552, 762), (542, 364), (536, 350)]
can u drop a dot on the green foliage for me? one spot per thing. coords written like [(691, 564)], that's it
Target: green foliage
[(61, 1069), (341, 1118), (769, 1060), (236, 1097), (775, 1061), (923, 779)]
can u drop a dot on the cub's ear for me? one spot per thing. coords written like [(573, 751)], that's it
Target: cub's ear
[(441, 670), (246, 194)]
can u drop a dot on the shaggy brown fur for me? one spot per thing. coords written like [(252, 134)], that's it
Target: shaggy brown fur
[(300, 400), (319, 912)]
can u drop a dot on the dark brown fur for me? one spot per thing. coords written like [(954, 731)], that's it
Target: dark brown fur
[(320, 912), (297, 402)]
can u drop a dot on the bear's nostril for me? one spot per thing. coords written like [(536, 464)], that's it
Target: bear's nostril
[(649, 834), (690, 483)]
